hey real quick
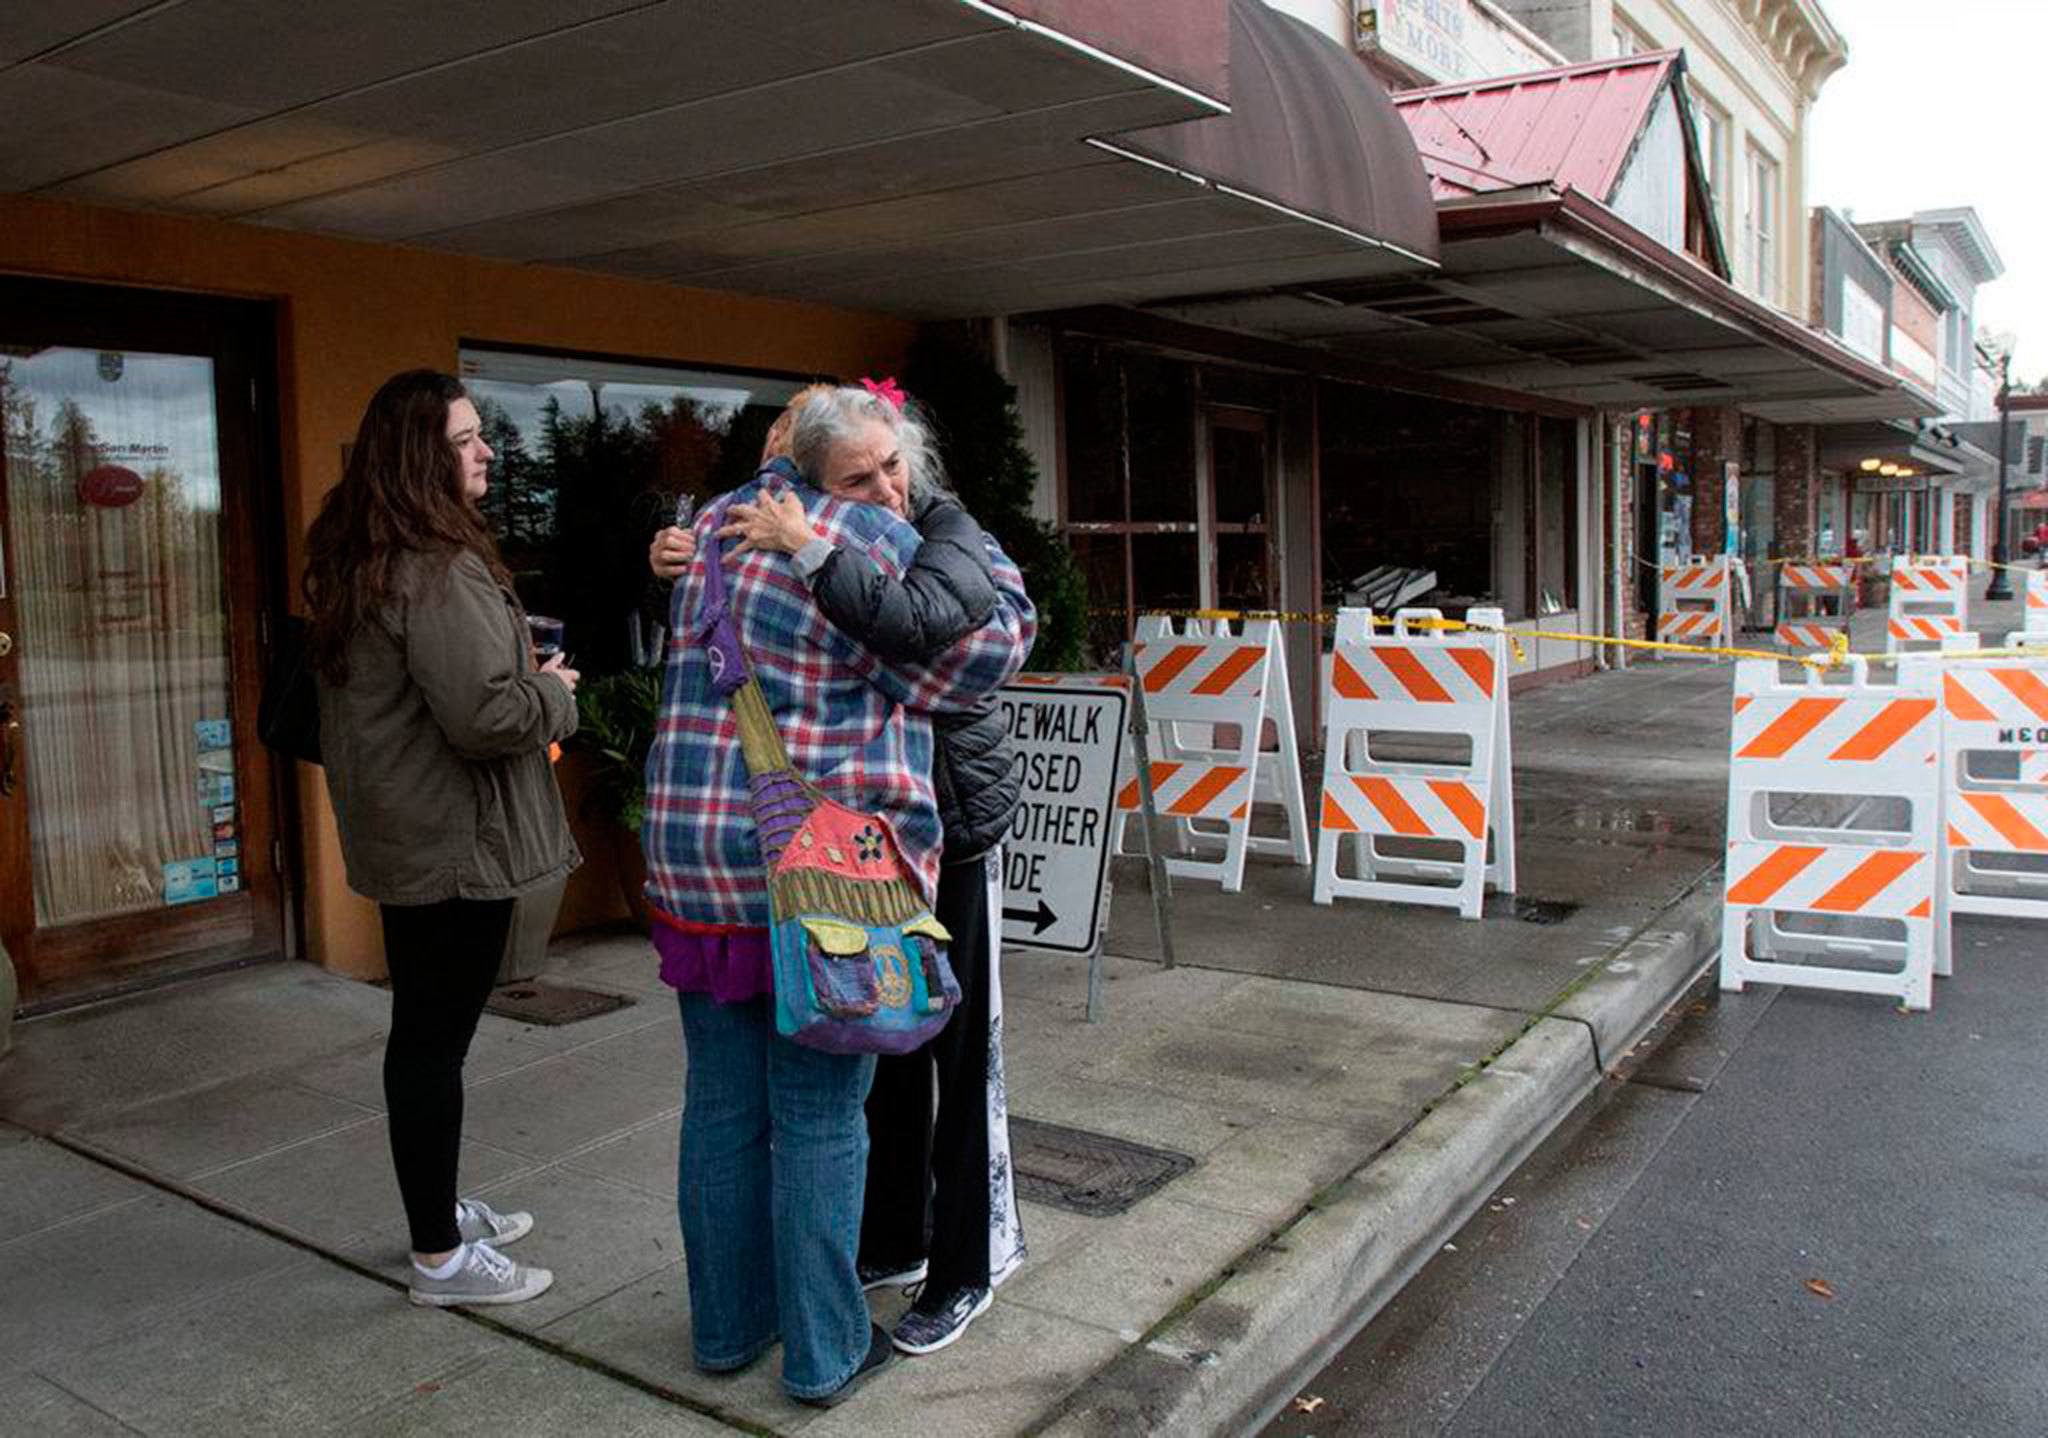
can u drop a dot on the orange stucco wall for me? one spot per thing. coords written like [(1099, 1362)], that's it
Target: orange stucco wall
[(352, 313)]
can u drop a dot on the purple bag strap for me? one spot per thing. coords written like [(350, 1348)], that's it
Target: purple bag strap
[(781, 798), (715, 629)]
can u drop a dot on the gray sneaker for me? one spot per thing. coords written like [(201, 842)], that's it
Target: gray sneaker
[(488, 1276), (478, 1222)]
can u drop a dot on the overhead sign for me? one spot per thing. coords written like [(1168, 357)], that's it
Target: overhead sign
[(1448, 40), (1068, 733)]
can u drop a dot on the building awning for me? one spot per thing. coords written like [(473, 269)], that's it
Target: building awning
[(1929, 450), (931, 157), (1311, 132), (1550, 295)]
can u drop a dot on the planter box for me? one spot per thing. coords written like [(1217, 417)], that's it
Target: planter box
[(533, 920)]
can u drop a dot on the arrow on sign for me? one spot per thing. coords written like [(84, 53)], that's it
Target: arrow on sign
[(1040, 920)]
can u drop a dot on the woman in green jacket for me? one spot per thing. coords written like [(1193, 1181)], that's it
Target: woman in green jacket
[(435, 726)]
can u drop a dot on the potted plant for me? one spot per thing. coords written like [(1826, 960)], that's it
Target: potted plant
[(616, 717)]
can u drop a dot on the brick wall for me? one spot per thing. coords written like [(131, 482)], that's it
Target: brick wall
[(1716, 437), (1797, 492)]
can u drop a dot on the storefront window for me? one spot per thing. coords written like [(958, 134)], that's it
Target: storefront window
[(591, 456), (1406, 481), (1130, 506), (1092, 411), (1161, 400), (1557, 517)]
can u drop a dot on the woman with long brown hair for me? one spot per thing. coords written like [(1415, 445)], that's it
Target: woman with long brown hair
[(434, 730)]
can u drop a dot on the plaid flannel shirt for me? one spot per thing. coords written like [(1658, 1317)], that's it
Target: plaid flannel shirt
[(857, 727)]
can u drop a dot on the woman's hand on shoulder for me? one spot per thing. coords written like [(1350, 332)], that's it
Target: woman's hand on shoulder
[(671, 552), (561, 671), (775, 522)]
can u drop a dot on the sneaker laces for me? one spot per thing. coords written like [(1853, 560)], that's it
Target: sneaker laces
[(494, 1265), (476, 1211)]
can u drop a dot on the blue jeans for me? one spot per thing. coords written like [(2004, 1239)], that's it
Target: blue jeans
[(769, 1189)]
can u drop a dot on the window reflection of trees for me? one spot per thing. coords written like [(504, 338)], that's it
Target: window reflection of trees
[(121, 618), (578, 489)]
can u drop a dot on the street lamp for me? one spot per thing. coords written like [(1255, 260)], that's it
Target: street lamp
[(2000, 586)]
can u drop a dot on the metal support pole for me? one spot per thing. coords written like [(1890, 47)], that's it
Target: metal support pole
[(2000, 586), (1162, 885)]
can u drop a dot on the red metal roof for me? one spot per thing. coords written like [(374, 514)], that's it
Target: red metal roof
[(1572, 128)]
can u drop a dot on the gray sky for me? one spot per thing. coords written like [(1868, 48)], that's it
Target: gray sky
[(1943, 102)]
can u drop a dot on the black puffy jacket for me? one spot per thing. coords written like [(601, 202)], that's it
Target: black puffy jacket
[(948, 592)]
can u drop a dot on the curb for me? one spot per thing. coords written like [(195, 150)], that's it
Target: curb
[(1227, 1362)]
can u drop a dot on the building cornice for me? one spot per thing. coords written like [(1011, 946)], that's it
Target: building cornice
[(1799, 37)]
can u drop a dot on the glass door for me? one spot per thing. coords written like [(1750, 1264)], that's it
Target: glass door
[(136, 806)]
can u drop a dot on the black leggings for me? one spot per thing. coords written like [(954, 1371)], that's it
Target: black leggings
[(443, 960), (927, 1176)]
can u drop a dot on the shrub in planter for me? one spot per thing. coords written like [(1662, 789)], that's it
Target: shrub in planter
[(616, 717)]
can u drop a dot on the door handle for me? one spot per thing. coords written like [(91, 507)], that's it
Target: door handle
[(6, 643)]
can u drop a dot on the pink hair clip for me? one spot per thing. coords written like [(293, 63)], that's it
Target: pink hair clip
[(885, 389)]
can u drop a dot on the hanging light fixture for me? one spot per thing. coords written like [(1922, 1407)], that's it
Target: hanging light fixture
[(1870, 466)]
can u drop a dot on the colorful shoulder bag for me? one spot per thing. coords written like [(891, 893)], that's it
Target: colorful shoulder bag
[(860, 961)]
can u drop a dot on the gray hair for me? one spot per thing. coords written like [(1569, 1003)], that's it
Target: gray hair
[(834, 415)]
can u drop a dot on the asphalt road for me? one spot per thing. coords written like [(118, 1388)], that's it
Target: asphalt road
[(1801, 1214)]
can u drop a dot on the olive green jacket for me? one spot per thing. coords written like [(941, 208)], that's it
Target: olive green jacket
[(436, 747)]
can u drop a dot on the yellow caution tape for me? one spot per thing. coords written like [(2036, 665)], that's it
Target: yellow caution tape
[(1837, 654)]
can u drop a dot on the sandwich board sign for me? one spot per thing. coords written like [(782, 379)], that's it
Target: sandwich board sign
[(1068, 731)]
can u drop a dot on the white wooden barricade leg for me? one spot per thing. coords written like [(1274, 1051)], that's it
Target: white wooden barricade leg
[(1821, 865), (1994, 778), (1354, 626), (1417, 680), (1696, 603), (1168, 741), (1277, 779), (1206, 680), (1930, 601), (1815, 603)]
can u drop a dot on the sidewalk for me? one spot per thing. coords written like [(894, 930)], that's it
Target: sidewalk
[(199, 1231)]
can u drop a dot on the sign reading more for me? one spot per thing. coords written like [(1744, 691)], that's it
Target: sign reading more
[(1068, 734), (1447, 40)]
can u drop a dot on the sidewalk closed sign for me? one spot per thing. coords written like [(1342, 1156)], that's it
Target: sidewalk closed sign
[(1067, 733)]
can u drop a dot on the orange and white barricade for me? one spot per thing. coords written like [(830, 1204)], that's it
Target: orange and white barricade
[(1277, 778), (1696, 602), (1192, 684), (1930, 600), (1417, 681), (1834, 804), (1815, 603), (1994, 775), (2036, 612)]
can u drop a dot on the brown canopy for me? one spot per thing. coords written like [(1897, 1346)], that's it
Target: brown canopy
[(1311, 130)]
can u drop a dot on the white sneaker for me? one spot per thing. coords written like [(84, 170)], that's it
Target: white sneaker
[(486, 1276), (478, 1222)]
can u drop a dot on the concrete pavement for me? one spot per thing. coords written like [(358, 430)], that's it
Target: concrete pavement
[(199, 1232)]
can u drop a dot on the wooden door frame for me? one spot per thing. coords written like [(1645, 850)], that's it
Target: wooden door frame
[(240, 337)]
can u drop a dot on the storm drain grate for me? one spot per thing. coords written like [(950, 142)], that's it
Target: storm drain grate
[(1087, 1173), (551, 1004), (1544, 911)]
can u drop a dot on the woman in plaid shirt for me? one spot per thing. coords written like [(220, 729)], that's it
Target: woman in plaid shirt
[(774, 1144)]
